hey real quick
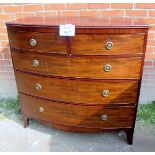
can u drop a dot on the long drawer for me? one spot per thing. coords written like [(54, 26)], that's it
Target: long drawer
[(78, 115), (80, 67), (39, 42), (110, 44), (78, 91)]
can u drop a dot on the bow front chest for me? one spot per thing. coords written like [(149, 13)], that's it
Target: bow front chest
[(89, 82)]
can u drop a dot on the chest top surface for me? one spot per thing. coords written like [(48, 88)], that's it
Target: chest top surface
[(81, 22)]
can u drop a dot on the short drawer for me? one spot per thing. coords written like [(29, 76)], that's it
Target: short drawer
[(80, 67), (110, 44), (78, 91), (78, 115), (40, 42)]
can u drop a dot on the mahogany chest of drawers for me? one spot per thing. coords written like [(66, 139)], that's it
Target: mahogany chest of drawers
[(89, 82)]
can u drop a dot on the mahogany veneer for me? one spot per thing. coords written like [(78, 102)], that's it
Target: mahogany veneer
[(78, 91), (87, 83), (90, 67), (94, 44), (78, 115)]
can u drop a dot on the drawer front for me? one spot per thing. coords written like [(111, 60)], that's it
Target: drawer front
[(78, 115), (98, 44), (96, 68), (40, 42), (78, 91)]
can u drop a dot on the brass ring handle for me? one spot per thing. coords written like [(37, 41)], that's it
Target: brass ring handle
[(104, 117), (33, 42), (41, 109), (38, 86), (35, 63), (109, 45), (105, 93), (107, 67)]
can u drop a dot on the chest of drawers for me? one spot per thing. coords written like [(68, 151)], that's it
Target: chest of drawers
[(87, 83)]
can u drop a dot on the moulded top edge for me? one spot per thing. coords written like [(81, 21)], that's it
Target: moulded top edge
[(83, 22)]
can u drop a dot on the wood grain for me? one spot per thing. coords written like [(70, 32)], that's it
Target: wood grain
[(79, 30), (78, 91), (89, 22), (78, 67), (95, 44), (77, 115), (47, 42)]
